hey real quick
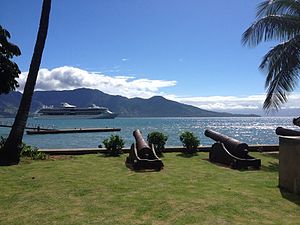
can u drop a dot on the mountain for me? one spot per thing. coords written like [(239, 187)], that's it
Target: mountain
[(156, 106)]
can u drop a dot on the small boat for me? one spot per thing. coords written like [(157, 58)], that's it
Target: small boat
[(71, 111)]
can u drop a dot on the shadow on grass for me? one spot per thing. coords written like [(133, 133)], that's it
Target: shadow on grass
[(229, 167), (274, 155), (292, 197), (160, 155), (146, 171), (187, 155), (271, 167), (60, 157), (103, 155), (217, 164)]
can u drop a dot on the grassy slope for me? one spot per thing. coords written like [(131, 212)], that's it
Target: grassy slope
[(93, 189)]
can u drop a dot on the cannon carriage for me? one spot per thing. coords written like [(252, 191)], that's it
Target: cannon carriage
[(230, 151), (142, 156)]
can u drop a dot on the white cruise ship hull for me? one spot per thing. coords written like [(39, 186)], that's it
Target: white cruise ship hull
[(72, 112), (75, 116)]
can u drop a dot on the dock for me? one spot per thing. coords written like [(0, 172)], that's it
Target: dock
[(72, 130), (27, 128)]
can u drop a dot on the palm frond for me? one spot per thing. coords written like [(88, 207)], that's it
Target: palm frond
[(273, 27), (282, 64), (278, 7), (277, 93), (282, 56)]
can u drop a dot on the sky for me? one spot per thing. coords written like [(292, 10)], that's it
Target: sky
[(185, 50)]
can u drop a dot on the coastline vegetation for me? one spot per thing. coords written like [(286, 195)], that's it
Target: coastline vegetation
[(27, 151), (92, 189), (114, 145), (158, 140), (190, 142)]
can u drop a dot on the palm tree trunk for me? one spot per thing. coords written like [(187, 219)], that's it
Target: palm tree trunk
[(10, 154)]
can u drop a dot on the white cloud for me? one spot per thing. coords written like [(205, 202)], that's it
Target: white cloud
[(233, 103), (225, 102), (68, 78)]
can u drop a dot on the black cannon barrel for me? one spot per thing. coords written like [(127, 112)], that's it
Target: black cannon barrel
[(286, 132), (141, 156), (296, 121), (141, 144), (230, 143)]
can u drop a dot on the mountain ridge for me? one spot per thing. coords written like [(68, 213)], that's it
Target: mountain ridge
[(156, 106)]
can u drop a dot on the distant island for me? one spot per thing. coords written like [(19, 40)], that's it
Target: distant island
[(156, 106)]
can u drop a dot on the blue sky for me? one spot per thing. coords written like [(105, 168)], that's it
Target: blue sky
[(184, 50)]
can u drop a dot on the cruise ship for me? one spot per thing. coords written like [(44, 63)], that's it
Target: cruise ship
[(71, 111)]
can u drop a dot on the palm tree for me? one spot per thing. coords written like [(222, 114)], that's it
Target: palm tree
[(277, 20), (10, 153)]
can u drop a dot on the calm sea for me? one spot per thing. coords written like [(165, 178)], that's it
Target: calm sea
[(250, 130)]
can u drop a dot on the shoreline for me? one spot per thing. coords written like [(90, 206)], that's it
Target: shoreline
[(168, 149)]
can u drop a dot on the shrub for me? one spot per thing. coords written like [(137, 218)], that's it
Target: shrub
[(189, 141), (114, 145), (27, 151), (32, 152), (158, 140)]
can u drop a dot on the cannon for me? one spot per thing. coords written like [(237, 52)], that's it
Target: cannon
[(286, 132), (142, 156), (296, 121), (230, 151)]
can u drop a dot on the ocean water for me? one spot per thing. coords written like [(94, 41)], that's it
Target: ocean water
[(260, 130)]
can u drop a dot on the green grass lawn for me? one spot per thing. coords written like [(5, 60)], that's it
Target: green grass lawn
[(93, 189)]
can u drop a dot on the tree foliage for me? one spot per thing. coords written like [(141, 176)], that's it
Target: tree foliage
[(114, 145), (158, 140), (9, 70), (189, 141), (10, 153), (277, 20)]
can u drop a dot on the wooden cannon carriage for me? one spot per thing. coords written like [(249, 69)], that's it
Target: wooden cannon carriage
[(142, 156), (230, 151), (286, 132)]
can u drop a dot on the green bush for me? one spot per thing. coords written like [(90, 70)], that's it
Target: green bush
[(158, 140), (27, 151), (114, 145), (190, 142), (32, 152)]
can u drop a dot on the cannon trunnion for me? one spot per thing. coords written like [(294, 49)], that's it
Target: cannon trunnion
[(142, 156), (230, 151)]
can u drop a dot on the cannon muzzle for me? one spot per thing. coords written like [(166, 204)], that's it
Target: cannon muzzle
[(141, 144), (286, 132)]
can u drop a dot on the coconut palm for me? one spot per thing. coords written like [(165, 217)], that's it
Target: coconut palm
[(10, 153), (277, 20)]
